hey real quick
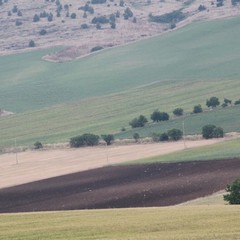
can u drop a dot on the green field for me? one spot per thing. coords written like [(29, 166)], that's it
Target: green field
[(191, 222), (223, 150), (104, 91)]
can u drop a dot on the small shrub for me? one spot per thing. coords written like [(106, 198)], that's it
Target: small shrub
[(86, 139), (211, 131), (178, 112), (15, 9), (233, 196), (197, 109), (84, 26), (136, 137), (31, 43), (218, 132), (163, 137), (43, 32), (157, 116), (73, 16), (108, 138), (138, 122), (36, 18), (212, 102), (123, 129), (175, 134), (18, 23), (237, 102), (97, 48), (201, 8), (38, 145)]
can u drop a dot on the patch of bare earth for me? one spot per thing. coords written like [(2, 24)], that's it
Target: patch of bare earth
[(147, 185), (19, 168), (65, 31)]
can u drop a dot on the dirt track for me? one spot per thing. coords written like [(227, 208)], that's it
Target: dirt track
[(37, 165), (122, 186)]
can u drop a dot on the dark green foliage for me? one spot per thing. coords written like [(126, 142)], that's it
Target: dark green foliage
[(117, 14), (233, 196), (36, 18), (218, 132), (66, 7), (38, 145), (127, 13), (18, 23), (134, 20), (212, 102), (113, 25), (108, 138), (211, 131), (227, 101), (201, 8), (97, 48), (112, 18), (43, 14), (163, 137), (136, 136), (220, 3), (237, 102), (98, 1), (15, 9), (85, 15), (19, 13), (98, 26), (178, 112), (73, 15), (175, 134), (84, 26), (100, 19), (9, 13), (138, 122), (121, 3), (197, 109), (157, 116), (31, 43), (86, 139), (207, 131), (43, 32), (50, 17), (172, 17), (172, 26), (235, 2)]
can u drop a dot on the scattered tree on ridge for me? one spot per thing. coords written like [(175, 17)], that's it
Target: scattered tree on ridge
[(212, 102), (175, 134), (197, 109), (178, 112), (108, 138), (211, 131), (138, 122)]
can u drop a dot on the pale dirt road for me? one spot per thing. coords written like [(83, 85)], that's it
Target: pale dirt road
[(37, 165)]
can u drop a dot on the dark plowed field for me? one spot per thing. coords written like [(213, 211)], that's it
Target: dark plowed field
[(122, 186)]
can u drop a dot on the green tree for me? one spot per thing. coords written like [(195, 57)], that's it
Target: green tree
[(138, 122), (157, 116), (212, 102), (175, 134), (211, 131), (108, 138), (163, 137), (36, 18), (38, 145), (73, 16), (136, 137), (178, 112), (86, 139), (31, 43), (197, 109), (233, 196)]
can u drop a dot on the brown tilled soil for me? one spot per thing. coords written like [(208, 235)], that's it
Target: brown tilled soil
[(122, 186)]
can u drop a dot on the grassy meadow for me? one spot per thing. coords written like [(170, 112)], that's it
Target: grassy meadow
[(191, 222), (223, 150), (101, 93)]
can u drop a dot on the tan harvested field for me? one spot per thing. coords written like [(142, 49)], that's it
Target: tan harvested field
[(37, 165)]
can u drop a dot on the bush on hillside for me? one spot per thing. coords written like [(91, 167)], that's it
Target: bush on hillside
[(38, 145), (138, 122), (175, 134), (157, 116), (108, 138), (86, 139), (164, 137), (31, 43), (172, 17), (233, 196), (97, 48), (211, 131), (237, 102), (178, 112), (212, 102), (197, 109), (98, 1), (136, 137)]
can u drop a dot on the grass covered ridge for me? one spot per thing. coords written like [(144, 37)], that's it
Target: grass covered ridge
[(223, 150), (201, 222), (56, 101)]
